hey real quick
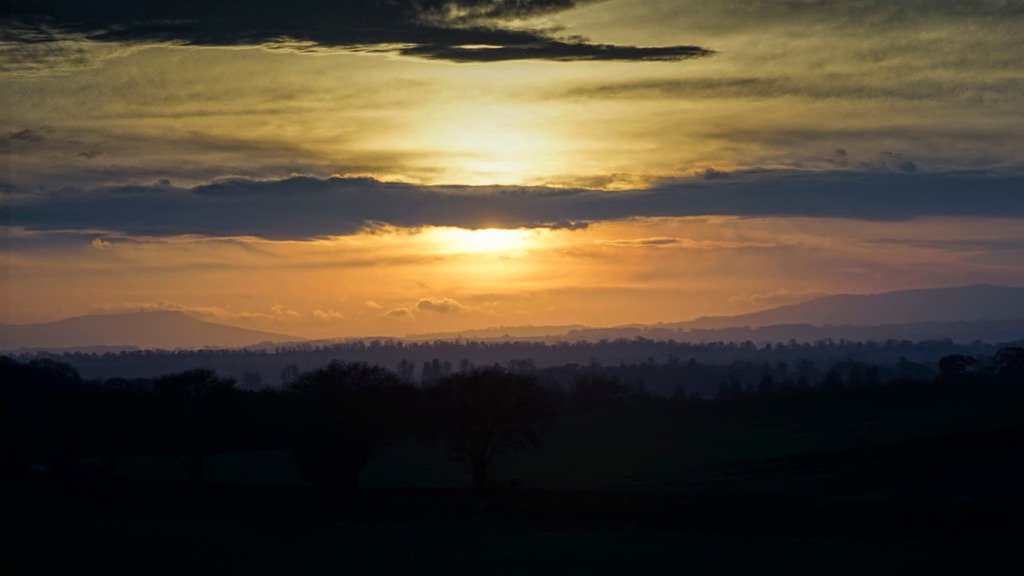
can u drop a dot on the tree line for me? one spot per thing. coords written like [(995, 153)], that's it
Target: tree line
[(335, 419), (332, 420), (264, 366)]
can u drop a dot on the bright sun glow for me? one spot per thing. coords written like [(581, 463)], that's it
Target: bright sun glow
[(487, 240), (488, 144)]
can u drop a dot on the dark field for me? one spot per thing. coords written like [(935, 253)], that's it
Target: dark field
[(227, 528), (875, 481)]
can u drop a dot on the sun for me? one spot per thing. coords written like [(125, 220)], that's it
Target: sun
[(483, 241)]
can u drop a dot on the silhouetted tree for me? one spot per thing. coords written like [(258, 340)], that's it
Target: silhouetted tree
[(593, 390), (856, 377), (47, 413), (197, 406), (873, 377), (252, 381), (340, 415), (406, 370), (15, 440), (124, 419), (435, 370), (1010, 364), (289, 373), (833, 378), (488, 412), (679, 393), (954, 368), (521, 365)]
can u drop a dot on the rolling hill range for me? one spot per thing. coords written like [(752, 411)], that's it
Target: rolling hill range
[(960, 304), (161, 329), (964, 314)]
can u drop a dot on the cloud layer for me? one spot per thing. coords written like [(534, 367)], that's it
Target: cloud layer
[(306, 207), (460, 31)]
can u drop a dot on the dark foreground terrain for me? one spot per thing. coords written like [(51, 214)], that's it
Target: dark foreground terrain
[(804, 485), (909, 477), (131, 528)]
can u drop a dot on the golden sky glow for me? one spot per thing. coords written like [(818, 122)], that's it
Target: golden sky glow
[(498, 241), (898, 88), (615, 273)]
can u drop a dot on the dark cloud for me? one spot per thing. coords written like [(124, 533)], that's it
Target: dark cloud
[(305, 207), (554, 50), (461, 31), (643, 242)]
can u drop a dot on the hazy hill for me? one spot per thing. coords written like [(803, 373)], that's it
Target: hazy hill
[(961, 304), (991, 331), (964, 314), (163, 329)]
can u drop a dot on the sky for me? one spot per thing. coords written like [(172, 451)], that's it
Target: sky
[(388, 167)]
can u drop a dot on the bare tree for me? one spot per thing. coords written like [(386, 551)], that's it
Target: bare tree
[(197, 405), (487, 412), (341, 415)]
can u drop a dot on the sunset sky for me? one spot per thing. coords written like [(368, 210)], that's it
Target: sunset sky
[(387, 167)]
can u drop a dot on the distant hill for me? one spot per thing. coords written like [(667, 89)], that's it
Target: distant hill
[(961, 304), (991, 331), (963, 314), (132, 330)]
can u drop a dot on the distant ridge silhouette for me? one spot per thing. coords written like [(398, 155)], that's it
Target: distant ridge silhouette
[(959, 304), (985, 312), (155, 329)]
